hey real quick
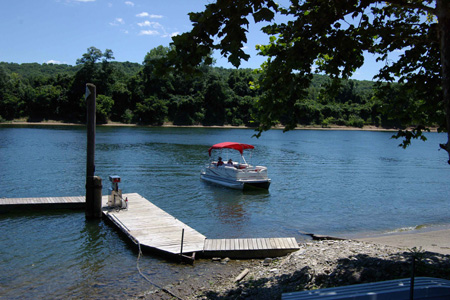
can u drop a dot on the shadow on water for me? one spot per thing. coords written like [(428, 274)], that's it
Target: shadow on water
[(37, 213)]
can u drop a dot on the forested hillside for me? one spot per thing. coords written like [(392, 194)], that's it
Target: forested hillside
[(134, 93)]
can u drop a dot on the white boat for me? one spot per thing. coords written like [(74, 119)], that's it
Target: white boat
[(236, 175)]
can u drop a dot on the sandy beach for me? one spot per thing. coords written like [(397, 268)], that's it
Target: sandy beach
[(437, 241)]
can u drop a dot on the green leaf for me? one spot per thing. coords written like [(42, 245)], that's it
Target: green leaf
[(264, 14)]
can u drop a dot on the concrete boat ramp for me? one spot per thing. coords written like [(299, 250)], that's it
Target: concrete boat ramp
[(151, 228)]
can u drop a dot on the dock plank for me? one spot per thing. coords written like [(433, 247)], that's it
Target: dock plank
[(246, 245), (293, 243), (277, 243), (234, 244), (256, 244)]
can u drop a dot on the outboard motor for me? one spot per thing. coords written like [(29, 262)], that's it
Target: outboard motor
[(115, 194)]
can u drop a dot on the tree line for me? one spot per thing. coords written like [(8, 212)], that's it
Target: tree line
[(137, 93)]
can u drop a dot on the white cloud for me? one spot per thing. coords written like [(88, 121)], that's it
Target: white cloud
[(171, 34), (149, 32), (129, 3), (145, 23), (117, 21), (84, 0), (158, 29), (56, 62), (155, 25), (146, 14)]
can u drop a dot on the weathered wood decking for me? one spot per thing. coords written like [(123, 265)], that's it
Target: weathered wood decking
[(151, 227), (249, 248), (147, 225), (12, 204)]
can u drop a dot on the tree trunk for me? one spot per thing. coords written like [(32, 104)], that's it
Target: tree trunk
[(443, 15)]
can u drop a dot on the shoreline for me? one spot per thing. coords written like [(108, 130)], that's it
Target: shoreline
[(317, 264), (432, 239), (170, 125)]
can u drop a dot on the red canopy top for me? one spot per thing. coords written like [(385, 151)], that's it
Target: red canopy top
[(230, 145)]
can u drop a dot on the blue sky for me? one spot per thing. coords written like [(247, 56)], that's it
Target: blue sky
[(60, 31)]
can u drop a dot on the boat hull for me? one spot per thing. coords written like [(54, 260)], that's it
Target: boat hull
[(236, 184), (257, 185)]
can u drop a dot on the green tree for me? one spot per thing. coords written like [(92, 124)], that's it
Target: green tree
[(331, 37), (13, 97), (44, 104), (104, 105), (239, 82), (188, 110), (89, 58), (96, 68), (153, 83), (3, 80), (214, 101), (151, 111), (122, 101)]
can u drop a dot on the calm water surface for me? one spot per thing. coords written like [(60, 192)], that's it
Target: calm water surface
[(325, 182)]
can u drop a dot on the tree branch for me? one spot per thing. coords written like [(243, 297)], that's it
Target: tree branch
[(409, 4)]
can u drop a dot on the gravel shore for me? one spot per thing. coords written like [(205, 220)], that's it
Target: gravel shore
[(318, 264)]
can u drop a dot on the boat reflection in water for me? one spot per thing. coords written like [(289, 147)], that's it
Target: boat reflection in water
[(237, 175)]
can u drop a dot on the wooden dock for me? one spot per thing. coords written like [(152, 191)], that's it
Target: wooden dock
[(151, 228), (14, 204), (249, 248)]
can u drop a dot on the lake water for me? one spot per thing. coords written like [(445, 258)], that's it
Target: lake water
[(325, 182)]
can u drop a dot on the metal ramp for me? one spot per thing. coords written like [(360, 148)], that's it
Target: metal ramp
[(424, 288)]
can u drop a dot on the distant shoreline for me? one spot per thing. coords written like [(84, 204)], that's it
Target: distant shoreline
[(170, 125)]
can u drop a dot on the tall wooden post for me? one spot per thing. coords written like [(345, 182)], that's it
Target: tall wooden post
[(93, 183)]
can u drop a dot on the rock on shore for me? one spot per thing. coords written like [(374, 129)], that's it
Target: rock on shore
[(317, 264)]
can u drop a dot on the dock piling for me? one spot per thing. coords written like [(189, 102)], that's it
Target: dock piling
[(94, 194), (93, 183)]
